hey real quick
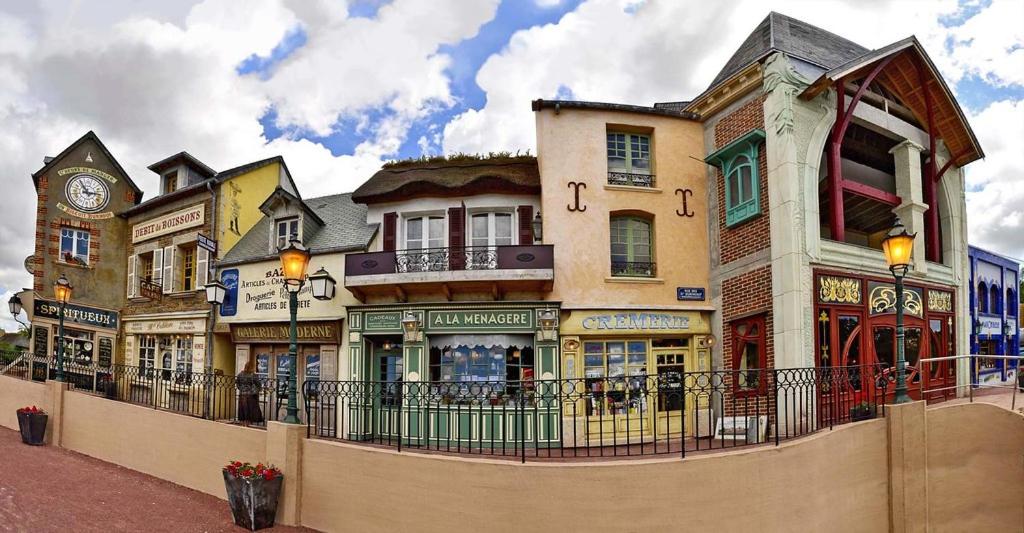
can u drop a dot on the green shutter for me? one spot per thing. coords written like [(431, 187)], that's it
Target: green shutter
[(738, 162)]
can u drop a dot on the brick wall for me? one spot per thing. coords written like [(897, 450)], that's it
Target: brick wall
[(753, 235)]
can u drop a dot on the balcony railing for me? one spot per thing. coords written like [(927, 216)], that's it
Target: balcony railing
[(634, 269), (450, 259), (630, 179)]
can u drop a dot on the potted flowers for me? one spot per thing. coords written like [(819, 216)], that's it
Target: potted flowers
[(862, 411), (32, 423), (252, 493)]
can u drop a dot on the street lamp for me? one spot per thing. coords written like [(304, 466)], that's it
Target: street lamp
[(322, 284), (547, 321), (538, 228), (215, 292), (411, 326), (62, 291), (294, 260), (898, 247), (15, 305)]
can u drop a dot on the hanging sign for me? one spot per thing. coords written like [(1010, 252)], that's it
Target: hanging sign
[(206, 243), (229, 278)]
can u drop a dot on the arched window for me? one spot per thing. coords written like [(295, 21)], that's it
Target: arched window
[(994, 303), (1011, 303), (749, 358), (739, 164), (631, 250), (982, 295)]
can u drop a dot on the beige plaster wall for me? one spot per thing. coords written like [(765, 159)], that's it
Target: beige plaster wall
[(181, 449), (975, 468), (17, 393), (572, 146), (350, 488)]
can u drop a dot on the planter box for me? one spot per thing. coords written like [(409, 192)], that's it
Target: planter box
[(33, 428), (253, 503)]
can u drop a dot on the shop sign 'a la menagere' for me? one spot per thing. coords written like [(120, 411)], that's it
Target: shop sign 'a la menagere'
[(504, 319)]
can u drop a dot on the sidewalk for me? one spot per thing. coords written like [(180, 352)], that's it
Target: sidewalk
[(43, 488)]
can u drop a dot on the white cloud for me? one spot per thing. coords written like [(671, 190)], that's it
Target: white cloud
[(989, 45), (995, 201)]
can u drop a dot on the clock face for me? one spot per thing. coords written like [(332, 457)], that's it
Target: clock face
[(87, 192)]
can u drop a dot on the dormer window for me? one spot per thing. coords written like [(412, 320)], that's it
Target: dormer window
[(170, 182), (287, 228)]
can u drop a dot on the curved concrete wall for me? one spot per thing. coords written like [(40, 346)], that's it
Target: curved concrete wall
[(835, 481), (975, 468)]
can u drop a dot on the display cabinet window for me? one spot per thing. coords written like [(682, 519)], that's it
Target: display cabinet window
[(629, 152), (615, 376), (496, 366), (738, 162), (78, 345), (748, 355), (147, 352), (631, 252), (188, 268), (74, 246), (183, 355), (286, 229), (424, 232)]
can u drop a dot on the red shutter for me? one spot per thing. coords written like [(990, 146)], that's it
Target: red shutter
[(526, 224), (456, 237), (390, 227)]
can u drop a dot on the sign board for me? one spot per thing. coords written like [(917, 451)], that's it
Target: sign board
[(106, 352), (383, 321), (263, 364), (41, 341), (229, 278), (283, 366), (185, 325), (690, 294), (312, 367), (483, 319), (206, 243), (189, 217), (78, 314), (617, 321), (991, 327), (309, 332), (148, 289)]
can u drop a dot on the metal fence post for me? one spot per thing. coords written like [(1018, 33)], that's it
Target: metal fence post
[(775, 396)]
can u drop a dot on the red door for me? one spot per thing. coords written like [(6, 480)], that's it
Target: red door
[(882, 352), (940, 376)]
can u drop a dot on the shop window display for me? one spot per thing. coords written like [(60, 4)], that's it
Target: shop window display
[(495, 367), (615, 374)]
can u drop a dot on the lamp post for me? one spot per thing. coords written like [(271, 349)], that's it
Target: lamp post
[(15, 306), (62, 291), (294, 260), (898, 247), (548, 321), (215, 293), (410, 326)]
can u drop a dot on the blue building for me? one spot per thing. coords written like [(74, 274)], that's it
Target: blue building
[(995, 299)]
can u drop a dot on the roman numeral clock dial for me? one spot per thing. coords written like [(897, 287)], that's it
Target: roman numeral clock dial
[(87, 193)]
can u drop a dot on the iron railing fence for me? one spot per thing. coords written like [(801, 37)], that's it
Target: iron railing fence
[(447, 259), (208, 395), (630, 178), (634, 269), (668, 413)]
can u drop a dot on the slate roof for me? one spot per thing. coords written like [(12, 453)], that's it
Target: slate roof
[(344, 229), (795, 38), (177, 159), (670, 109), (89, 135), (517, 174)]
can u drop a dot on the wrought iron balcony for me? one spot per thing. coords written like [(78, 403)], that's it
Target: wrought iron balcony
[(633, 269), (630, 179), (528, 267)]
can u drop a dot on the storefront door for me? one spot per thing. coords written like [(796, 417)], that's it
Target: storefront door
[(388, 367), (673, 406), (940, 376), (882, 349)]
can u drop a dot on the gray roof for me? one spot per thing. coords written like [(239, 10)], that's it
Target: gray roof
[(669, 109), (345, 229), (795, 38)]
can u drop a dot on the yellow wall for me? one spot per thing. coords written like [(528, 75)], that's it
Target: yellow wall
[(975, 470), (246, 191), (572, 147)]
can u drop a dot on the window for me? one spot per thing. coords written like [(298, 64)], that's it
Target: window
[(170, 182), (982, 294), (78, 345), (147, 352), (615, 374), (738, 163), (499, 365), (1011, 303), (74, 246), (629, 153), (748, 355), (424, 232), (490, 229), (994, 306), (144, 267), (286, 230), (183, 354), (188, 268), (631, 247)]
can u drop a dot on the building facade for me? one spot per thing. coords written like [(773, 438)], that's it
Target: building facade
[(994, 304), (171, 253), (815, 145), (633, 285), (81, 235)]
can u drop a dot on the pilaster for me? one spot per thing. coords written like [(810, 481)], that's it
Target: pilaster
[(908, 476), (907, 156), (284, 450)]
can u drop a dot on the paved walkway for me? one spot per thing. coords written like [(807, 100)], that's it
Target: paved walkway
[(43, 489), (1002, 397)]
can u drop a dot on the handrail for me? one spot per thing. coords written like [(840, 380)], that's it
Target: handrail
[(971, 382)]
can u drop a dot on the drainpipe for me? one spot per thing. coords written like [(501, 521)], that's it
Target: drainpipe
[(210, 271)]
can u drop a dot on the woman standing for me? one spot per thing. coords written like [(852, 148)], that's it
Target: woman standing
[(248, 385)]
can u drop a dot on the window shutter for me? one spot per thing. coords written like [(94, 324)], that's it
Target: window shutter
[(390, 227), (525, 225), (156, 276), (168, 278), (202, 267), (456, 237), (131, 276)]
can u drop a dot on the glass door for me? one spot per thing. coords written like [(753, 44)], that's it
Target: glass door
[(674, 406), (387, 392), (883, 344)]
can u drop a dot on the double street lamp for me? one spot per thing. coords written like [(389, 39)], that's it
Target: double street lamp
[(62, 291), (899, 247), (294, 261)]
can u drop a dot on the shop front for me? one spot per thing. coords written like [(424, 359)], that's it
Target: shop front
[(447, 376), (635, 375), (856, 332), (165, 350), (89, 337)]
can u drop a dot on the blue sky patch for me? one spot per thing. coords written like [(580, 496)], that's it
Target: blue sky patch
[(264, 66)]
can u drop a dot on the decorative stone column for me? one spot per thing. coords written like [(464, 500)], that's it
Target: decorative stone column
[(907, 156)]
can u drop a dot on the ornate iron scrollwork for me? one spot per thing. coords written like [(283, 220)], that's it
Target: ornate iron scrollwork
[(443, 259), (883, 300), (940, 301), (837, 290)]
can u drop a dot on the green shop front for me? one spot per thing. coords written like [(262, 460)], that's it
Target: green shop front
[(448, 377)]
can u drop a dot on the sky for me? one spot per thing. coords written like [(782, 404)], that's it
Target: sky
[(339, 87)]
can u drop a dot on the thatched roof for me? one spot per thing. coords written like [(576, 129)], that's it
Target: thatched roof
[(451, 177)]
